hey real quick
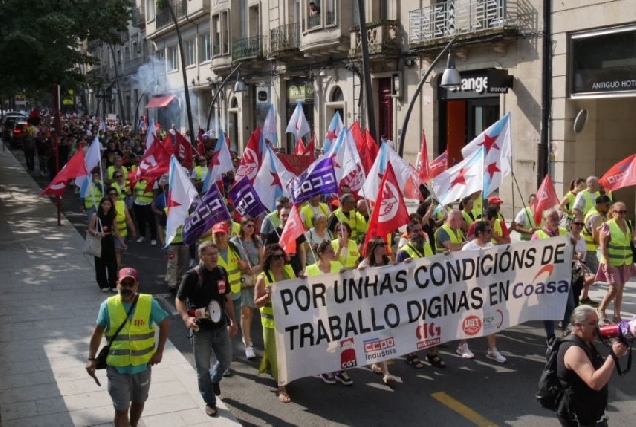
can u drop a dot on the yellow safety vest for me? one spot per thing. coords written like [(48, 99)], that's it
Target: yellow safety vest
[(307, 212), (619, 249), (467, 217), (414, 253), (590, 245), (135, 343), (590, 200), (528, 213), (140, 193), (455, 237), (120, 218), (236, 229), (314, 270), (356, 221), (569, 200), (352, 256), (111, 170), (267, 312), (478, 204), (200, 172), (541, 234), (233, 269), (274, 219), (93, 198)]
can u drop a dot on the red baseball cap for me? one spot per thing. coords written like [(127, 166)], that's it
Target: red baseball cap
[(128, 272), (494, 200), (220, 227)]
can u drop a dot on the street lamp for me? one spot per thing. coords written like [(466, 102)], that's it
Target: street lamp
[(240, 85), (450, 79)]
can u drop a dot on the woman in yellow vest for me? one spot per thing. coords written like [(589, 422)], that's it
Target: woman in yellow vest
[(123, 220), (466, 207), (346, 249), (274, 270), (617, 262), (576, 186)]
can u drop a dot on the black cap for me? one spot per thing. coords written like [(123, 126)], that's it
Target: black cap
[(603, 199)]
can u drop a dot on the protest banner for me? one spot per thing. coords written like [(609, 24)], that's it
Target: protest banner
[(338, 321)]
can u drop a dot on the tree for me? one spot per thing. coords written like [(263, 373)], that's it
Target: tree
[(40, 40)]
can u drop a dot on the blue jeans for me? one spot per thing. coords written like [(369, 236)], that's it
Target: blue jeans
[(569, 308), (204, 342), (89, 214)]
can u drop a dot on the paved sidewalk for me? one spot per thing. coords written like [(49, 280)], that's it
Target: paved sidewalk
[(48, 306)]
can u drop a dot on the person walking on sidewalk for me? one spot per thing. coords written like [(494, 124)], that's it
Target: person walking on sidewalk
[(204, 301), (133, 350), (104, 226)]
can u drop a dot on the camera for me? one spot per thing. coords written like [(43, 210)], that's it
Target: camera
[(199, 313)]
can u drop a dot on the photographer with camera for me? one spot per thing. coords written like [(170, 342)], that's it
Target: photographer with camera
[(584, 372)]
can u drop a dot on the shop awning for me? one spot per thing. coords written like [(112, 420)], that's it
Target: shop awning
[(160, 101)]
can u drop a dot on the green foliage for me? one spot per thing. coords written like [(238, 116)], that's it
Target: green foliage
[(40, 40)]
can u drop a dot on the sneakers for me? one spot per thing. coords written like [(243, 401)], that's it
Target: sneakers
[(216, 388), (327, 378), (588, 301), (153, 242), (495, 355), (227, 373), (343, 377), (104, 290), (113, 290), (141, 239), (464, 351), (211, 411), (249, 353)]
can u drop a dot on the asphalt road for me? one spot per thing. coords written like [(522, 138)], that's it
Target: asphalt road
[(467, 393)]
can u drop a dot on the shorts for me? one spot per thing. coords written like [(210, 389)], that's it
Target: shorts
[(247, 298), (126, 388), (117, 244), (591, 261), (615, 275)]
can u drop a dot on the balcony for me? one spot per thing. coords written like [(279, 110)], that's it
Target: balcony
[(131, 66), (164, 19), (248, 48), (138, 18), (468, 20), (383, 39), (284, 39)]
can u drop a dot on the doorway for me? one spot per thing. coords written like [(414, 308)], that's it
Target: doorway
[(481, 114), (385, 110)]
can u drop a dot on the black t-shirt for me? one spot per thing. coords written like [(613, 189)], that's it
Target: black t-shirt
[(294, 260), (200, 296)]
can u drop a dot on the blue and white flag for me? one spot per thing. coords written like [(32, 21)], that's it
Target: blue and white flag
[(318, 179), (211, 210), (269, 127), (298, 124), (246, 201), (93, 158)]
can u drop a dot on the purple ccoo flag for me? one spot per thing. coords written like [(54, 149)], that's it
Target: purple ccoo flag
[(211, 210), (246, 200), (319, 178)]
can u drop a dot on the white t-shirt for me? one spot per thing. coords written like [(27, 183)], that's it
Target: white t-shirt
[(522, 218), (580, 245), (473, 246)]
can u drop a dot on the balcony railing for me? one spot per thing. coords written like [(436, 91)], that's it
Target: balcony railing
[(461, 17), (248, 47), (313, 21), (131, 66), (164, 19), (283, 38), (138, 18), (219, 2), (383, 38)]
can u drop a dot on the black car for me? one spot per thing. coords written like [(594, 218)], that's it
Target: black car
[(9, 121)]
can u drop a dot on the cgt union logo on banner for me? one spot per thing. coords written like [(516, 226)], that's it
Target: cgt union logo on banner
[(428, 335), (348, 353), (376, 348), (471, 325)]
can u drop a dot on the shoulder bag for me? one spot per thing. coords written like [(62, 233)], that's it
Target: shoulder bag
[(93, 244), (100, 360)]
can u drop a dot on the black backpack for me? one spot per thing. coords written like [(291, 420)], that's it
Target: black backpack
[(550, 390)]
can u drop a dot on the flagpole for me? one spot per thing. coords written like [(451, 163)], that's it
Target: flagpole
[(101, 175)]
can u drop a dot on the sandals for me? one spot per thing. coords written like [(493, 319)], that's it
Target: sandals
[(283, 397), (376, 369), (414, 361), (616, 319), (435, 360), (603, 317), (389, 380)]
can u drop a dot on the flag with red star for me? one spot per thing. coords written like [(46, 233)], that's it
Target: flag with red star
[(298, 124), (181, 193), (463, 179), (333, 131), (346, 160), (220, 163), (498, 152), (272, 179)]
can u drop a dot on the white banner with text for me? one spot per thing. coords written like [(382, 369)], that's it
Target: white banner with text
[(338, 321)]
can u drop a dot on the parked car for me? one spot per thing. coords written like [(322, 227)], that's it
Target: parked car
[(18, 134), (8, 123)]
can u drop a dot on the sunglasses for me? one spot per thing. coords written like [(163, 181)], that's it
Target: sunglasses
[(580, 224), (380, 245), (621, 212), (113, 194), (278, 257), (127, 283)]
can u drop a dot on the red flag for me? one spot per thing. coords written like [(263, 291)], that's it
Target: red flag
[(310, 150), (300, 148), (251, 158), (389, 212), (439, 165), (367, 147), (76, 166), (622, 174), (546, 199), (293, 229), (200, 143), (425, 168), (184, 151), (155, 162)]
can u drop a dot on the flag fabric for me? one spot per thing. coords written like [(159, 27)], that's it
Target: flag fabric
[(389, 212), (272, 179), (181, 193), (318, 179), (154, 163), (422, 162), (246, 201), (220, 163), (298, 124), (102, 126), (334, 129), (150, 134), (498, 152), (622, 174), (310, 149), (292, 230), (367, 147), (463, 179), (439, 165), (184, 151), (346, 161), (211, 210), (252, 157), (546, 199), (75, 167), (300, 148), (269, 127), (92, 159)]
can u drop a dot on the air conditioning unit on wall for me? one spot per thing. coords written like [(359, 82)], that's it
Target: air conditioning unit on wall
[(262, 95)]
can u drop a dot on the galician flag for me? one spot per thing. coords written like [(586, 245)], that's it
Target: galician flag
[(181, 193), (463, 179), (269, 127), (298, 124)]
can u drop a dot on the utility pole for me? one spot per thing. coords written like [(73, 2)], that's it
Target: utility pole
[(366, 72), (57, 123)]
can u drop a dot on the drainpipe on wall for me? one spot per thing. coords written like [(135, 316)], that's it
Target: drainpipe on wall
[(543, 166)]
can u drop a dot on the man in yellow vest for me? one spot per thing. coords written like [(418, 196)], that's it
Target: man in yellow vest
[(199, 172), (524, 222), (584, 201), (142, 208), (449, 237), (347, 213), (592, 220), (133, 349), (118, 166), (311, 208), (272, 220), (204, 301)]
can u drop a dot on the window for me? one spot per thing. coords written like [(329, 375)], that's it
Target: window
[(225, 31), (216, 35), (173, 59), (330, 17), (135, 50), (337, 95), (190, 53), (204, 47), (127, 56)]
